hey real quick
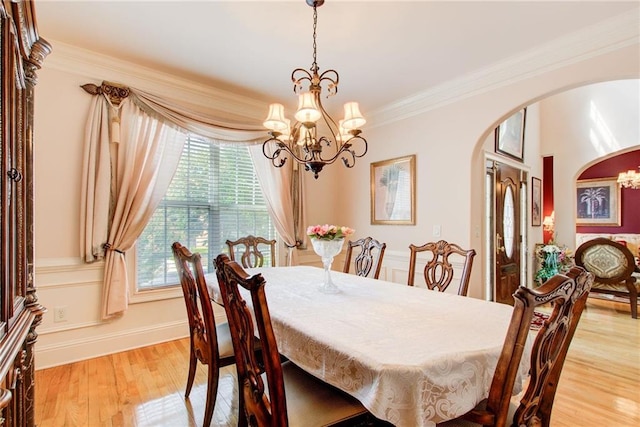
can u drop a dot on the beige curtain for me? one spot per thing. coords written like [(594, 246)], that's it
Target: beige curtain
[(96, 182), (195, 120), (142, 161), (133, 143), (281, 189)]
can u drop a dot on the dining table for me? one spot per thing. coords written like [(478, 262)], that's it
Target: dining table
[(412, 356)]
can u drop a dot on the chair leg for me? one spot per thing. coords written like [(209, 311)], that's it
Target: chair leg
[(212, 392), (193, 361), (242, 416), (633, 300)]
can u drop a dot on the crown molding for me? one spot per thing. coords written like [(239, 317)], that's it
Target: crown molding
[(97, 67), (607, 36)]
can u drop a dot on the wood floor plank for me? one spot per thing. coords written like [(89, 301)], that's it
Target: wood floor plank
[(599, 386)]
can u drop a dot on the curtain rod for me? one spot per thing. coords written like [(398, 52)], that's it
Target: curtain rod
[(115, 92)]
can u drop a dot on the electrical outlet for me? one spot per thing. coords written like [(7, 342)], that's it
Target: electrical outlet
[(60, 313), (437, 230)]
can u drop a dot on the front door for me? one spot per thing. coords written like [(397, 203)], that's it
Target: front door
[(508, 236)]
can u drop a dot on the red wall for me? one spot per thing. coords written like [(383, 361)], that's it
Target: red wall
[(547, 194), (629, 198)]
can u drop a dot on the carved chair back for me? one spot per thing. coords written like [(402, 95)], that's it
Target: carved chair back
[(567, 296), (249, 250), (203, 333), (261, 408), (439, 272), (368, 258), (312, 402), (613, 265)]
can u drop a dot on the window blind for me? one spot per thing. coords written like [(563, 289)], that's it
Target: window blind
[(214, 196)]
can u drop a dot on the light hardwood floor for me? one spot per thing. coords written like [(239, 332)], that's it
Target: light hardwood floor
[(599, 386)]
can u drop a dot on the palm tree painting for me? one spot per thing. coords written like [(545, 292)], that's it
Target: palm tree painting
[(598, 201), (595, 201)]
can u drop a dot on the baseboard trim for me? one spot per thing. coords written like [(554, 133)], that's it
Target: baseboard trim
[(64, 352)]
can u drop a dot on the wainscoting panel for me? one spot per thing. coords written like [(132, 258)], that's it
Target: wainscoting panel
[(82, 334), (74, 288)]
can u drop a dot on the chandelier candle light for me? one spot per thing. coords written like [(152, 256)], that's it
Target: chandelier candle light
[(327, 242), (303, 141), (629, 179)]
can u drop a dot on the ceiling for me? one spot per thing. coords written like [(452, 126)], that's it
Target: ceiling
[(384, 51)]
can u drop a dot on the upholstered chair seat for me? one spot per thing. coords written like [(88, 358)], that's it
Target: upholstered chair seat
[(612, 264)]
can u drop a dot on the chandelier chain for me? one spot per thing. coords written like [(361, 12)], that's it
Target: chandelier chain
[(314, 65)]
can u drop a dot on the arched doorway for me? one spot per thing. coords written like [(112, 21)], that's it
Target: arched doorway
[(575, 126)]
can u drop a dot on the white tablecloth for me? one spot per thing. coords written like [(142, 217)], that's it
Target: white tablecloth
[(413, 357)]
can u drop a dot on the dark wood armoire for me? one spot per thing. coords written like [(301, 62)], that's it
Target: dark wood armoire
[(23, 52)]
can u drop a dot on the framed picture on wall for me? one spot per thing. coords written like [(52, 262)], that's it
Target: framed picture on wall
[(536, 202), (598, 202), (510, 136), (393, 191)]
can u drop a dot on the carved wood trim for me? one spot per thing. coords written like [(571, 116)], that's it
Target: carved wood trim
[(115, 92)]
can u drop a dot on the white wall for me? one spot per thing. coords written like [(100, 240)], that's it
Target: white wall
[(448, 139), (449, 143)]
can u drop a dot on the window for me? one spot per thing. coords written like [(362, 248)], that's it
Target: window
[(214, 196)]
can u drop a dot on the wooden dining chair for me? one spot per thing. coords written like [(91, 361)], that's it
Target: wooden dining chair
[(210, 344), (369, 257), (439, 272), (567, 296), (248, 248), (307, 401)]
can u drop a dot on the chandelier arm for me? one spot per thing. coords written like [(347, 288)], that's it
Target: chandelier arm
[(347, 148), (351, 144), (279, 156), (349, 162), (297, 81), (332, 88), (331, 125), (333, 158)]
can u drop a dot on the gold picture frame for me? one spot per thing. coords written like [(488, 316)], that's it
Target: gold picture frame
[(598, 202), (393, 191)]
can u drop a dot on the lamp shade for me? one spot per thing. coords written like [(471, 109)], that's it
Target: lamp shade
[(307, 109), (275, 119), (352, 117), (629, 179)]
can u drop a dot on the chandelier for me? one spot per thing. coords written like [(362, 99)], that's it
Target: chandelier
[(314, 129), (629, 179)]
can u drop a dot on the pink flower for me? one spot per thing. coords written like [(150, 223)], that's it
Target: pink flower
[(346, 231), (329, 232)]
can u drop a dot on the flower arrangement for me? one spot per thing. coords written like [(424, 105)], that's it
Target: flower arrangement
[(553, 259), (328, 232)]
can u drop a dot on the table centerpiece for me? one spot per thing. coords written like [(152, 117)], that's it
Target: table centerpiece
[(327, 241)]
